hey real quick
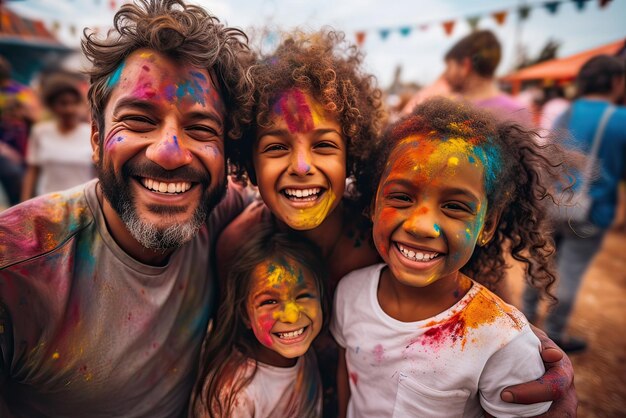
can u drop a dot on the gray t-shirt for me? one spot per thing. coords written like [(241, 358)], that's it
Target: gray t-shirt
[(85, 329)]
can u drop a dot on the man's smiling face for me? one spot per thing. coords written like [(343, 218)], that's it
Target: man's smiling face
[(161, 160)]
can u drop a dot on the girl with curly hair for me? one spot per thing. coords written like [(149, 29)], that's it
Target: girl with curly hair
[(458, 189)]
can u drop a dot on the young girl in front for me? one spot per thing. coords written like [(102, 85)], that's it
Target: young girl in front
[(315, 124), (420, 334), (257, 361)]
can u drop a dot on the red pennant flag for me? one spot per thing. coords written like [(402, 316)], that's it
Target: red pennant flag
[(423, 27), (360, 38), (448, 27), (112, 4), (500, 17), (603, 3)]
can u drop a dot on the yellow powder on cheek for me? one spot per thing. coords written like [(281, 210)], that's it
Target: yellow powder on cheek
[(313, 217)]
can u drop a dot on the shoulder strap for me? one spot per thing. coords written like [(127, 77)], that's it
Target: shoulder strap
[(595, 146)]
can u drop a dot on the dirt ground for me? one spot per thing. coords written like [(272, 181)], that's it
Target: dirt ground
[(600, 317)]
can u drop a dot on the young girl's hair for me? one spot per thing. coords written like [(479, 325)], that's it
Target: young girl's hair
[(518, 175), (327, 67), (231, 343)]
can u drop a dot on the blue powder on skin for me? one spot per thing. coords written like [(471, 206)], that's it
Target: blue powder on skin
[(489, 156), (115, 77)]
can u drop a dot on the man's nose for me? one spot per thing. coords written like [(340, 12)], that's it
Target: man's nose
[(169, 152)]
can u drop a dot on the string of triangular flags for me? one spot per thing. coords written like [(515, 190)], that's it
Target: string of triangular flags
[(74, 30), (500, 16)]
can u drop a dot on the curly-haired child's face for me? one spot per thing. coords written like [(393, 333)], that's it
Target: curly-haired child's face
[(300, 161), (284, 310), (430, 209)]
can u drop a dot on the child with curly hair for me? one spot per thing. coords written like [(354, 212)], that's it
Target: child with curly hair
[(420, 334), (257, 362), (316, 120)]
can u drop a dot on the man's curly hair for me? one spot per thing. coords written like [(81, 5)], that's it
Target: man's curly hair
[(519, 179), (327, 67), (185, 33)]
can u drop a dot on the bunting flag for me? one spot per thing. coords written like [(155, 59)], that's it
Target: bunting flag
[(472, 21), (384, 33), (360, 38), (603, 3), (448, 26), (580, 4), (405, 31), (424, 27), (112, 4), (552, 6), (500, 17), (523, 12)]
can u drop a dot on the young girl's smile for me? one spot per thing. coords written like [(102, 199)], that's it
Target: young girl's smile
[(300, 161), (429, 209), (284, 310)]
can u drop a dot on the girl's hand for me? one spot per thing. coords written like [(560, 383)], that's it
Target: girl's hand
[(557, 384)]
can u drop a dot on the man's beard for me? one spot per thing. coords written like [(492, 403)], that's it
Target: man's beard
[(118, 192)]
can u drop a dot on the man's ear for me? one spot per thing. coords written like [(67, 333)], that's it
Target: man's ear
[(466, 65), (489, 228), (95, 144)]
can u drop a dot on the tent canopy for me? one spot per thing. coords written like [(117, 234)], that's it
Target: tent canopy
[(561, 69)]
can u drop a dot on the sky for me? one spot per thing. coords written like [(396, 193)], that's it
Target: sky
[(420, 53)]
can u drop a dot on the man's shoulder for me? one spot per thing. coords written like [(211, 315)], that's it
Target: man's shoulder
[(40, 225)]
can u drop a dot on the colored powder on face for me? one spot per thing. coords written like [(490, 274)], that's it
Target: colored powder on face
[(468, 234), (115, 78), (303, 167), (196, 74), (292, 105), (310, 218), (290, 313), (437, 229), (453, 161), (145, 68)]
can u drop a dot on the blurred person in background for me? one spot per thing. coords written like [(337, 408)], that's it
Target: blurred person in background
[(16, 119), (470, 72), (59, 151), (554, 105), (600, 85)]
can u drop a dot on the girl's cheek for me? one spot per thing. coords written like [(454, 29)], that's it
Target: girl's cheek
[(263, 327)]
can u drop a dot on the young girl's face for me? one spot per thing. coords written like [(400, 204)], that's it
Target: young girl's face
[(300, 161), (284, 310), (429, 210)]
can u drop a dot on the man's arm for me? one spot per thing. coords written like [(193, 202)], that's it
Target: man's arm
[(6, 354), (556, 385)]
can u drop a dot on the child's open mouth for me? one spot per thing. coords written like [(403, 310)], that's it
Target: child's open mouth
[(415, 254), (302, 195), (290, 335)]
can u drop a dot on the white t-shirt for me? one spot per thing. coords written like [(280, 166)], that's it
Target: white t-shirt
[(445, 366), (285, 392), (64, 159)]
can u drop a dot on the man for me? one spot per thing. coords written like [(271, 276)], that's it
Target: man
[(470, 71), (106, 289), (600, 84)]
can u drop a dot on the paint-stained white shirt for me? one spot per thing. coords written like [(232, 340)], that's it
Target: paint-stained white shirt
[(449, 365)]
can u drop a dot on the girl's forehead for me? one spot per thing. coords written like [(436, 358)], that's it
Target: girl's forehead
[(279, 272)]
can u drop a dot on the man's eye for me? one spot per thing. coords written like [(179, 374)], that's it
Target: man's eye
[(138, 122), (202, 132), (268, 302)]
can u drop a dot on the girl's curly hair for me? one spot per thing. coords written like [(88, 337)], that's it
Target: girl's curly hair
[(185, 33), (519, 178), (327, 67)]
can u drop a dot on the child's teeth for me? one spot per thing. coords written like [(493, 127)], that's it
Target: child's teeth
[(291, 334), (416, 256)]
